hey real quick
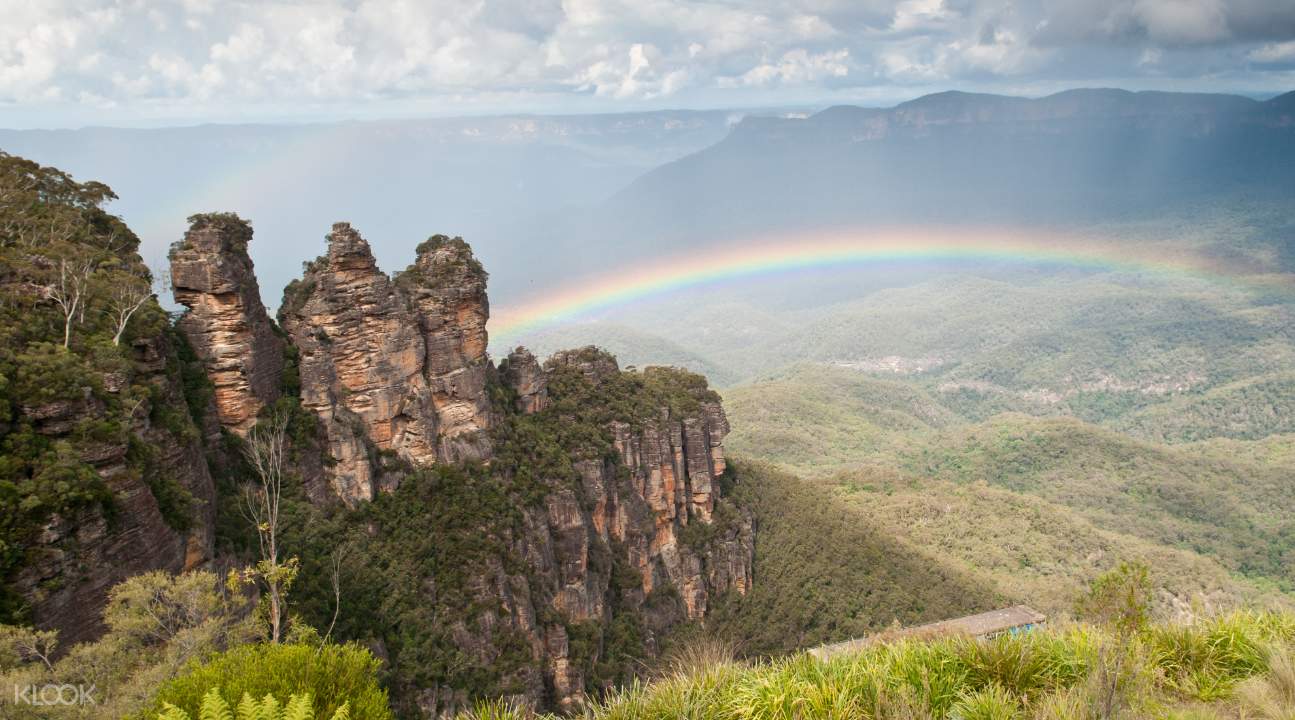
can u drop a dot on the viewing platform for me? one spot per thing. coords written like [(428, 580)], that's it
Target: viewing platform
[(1018, 618)]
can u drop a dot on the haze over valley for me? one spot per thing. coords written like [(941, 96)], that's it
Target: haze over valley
[(676, 360)]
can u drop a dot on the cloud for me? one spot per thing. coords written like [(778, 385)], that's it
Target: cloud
[(1166, 22), (796, 66), (247, 55), (1274, 53)]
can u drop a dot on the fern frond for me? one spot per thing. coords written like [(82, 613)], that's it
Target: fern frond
[(171, 712), (214, 707), (298, 708), (343, 712), (248, 708), (270, 709)]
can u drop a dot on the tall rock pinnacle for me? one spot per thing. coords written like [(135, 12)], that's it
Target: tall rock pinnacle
[(398, 365), (226, 323), (447, 287)]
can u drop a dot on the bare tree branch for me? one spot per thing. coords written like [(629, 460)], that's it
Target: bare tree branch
[(128, 294), (70, 290), (265, 450)]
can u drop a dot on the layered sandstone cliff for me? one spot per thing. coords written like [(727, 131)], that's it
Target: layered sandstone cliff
[(447, 287), (614, 514), (77, 558), (642, 538), (521, 372), (226, 324), (396, 366)]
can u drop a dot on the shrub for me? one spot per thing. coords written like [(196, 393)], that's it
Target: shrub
[(499, 709), (333, 675), (993, 702), (214, 707)]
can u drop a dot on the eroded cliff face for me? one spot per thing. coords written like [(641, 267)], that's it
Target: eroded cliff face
[(447, 287), (605, 507), (396, 366), (674, 458), (226, 324), (360, 362), (522, 373), (641, 537), (78, 558)]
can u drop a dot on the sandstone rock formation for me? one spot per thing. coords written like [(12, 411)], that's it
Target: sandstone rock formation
[(226, 324), (644, 532), (674, 464), (399, 366), (77, 558), (632, 528), (361, 362), (521, 372), (447, 287)]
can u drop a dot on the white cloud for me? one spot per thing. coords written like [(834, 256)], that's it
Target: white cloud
[(913, 15), (796, 66), (1274, 52), (186, 55)]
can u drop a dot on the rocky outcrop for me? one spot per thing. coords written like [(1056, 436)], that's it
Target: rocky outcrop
[(674, 461), (616, 516), (521, 372), (361, 361), (392, 366), (226, 323), (644, 532), (76, 559), (447, 287)]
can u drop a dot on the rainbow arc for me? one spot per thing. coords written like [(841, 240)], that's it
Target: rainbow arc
[(586, 297)]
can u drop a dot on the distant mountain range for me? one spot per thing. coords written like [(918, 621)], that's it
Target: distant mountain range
[(547, 199), (1074, 157)]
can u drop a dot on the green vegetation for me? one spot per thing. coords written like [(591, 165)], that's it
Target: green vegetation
[(171, 641), (328, 677), (815, 419), (75, 301), (1249, 409), (214, 707), (1028, 549), (827, 573), (1037, 504), (1213, 668), (452, 265), (1238, 514), (156, 624)]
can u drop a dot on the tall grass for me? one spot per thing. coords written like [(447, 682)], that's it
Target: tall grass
[(1206, 660), (1272, 695), (1242, 659)]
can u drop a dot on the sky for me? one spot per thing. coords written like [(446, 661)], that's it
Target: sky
[(72, 63)]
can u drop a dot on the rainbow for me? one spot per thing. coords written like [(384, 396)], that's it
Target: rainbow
[(584, 297)]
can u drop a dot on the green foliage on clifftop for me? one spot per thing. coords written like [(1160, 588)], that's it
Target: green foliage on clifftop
[(425, 568), (79, 328)]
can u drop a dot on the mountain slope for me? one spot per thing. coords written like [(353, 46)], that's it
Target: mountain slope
[(1200, 502), (1074, 157), (829, 573)]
